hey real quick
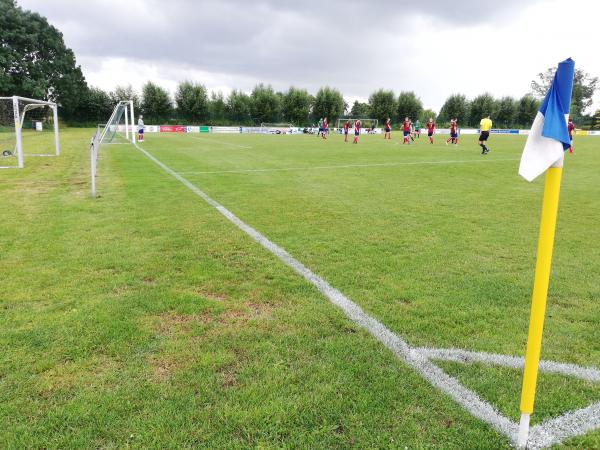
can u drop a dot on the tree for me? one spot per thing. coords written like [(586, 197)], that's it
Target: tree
[(191, 101), (238, 108), (527, 109), (506, 112), (329, 103), (125, 93), (156, 104), (409, 105), (265, 106), (427, 114), (383, 105), (481, 106), (296, 104), (362, 110), (95, 106), (595, 125), (217, 107), (584, 87), (34, 61), (455, 107)]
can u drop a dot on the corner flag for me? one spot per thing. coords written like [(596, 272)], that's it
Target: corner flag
[(549, 136), (544, 152)]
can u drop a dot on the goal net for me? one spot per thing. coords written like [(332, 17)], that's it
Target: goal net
[(366, 124), (119, 129), (276, 128), (28, 127)]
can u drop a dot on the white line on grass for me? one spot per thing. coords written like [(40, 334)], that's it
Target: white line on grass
[(347, 166), (515, 362), (573, 423), (548, 433), (215, 141)]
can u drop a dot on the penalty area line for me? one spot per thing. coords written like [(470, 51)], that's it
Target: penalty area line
[(347, 166)]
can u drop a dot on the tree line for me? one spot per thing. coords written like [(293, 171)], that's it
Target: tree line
[(194, 104), (36, 63)]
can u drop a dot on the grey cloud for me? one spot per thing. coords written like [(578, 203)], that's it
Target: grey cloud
[(280, 42)]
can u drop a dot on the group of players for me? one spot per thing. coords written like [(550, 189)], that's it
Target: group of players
[(410, 130)]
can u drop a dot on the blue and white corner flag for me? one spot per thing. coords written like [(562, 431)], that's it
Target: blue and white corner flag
[(549, 136)]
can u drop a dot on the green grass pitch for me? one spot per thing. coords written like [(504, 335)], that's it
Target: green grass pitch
[(144, 319)]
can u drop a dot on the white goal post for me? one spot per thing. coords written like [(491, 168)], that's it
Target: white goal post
[(119, 129), (28, 127)]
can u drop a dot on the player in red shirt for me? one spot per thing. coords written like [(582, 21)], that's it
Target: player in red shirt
[(453, 139), (572, 130), (388, 129), (325, 130), (357, 125), (430, 130), (346, 128), (456, 131), (406, 125)]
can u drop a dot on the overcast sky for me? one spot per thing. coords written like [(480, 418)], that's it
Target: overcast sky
[(434, 47)]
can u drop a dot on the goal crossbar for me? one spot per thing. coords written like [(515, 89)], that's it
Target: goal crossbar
[(29, 100)]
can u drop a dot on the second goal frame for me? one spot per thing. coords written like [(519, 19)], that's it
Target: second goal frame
[(19, 117)]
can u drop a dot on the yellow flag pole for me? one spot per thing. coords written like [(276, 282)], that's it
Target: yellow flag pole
[(539, 297)]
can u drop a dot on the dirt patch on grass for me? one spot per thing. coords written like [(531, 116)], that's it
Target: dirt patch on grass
[(229, 372), (233, 316), (163, 367), (211, 295), (121, 290), (168, 324), (69, 374), (261, 309), (246, 312), (229, 379), (149, 281), (197, 327), (35, 187)]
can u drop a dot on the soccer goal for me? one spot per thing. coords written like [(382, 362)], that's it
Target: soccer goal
[(366, 124), (28, 127), (276, 128), (119, 129)]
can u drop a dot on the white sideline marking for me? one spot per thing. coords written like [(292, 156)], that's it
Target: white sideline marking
[(573, 423), (218, 142), (548, 433), (350, 166), (515, 362)]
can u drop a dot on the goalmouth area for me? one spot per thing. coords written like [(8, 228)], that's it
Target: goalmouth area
[(251, 290)]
